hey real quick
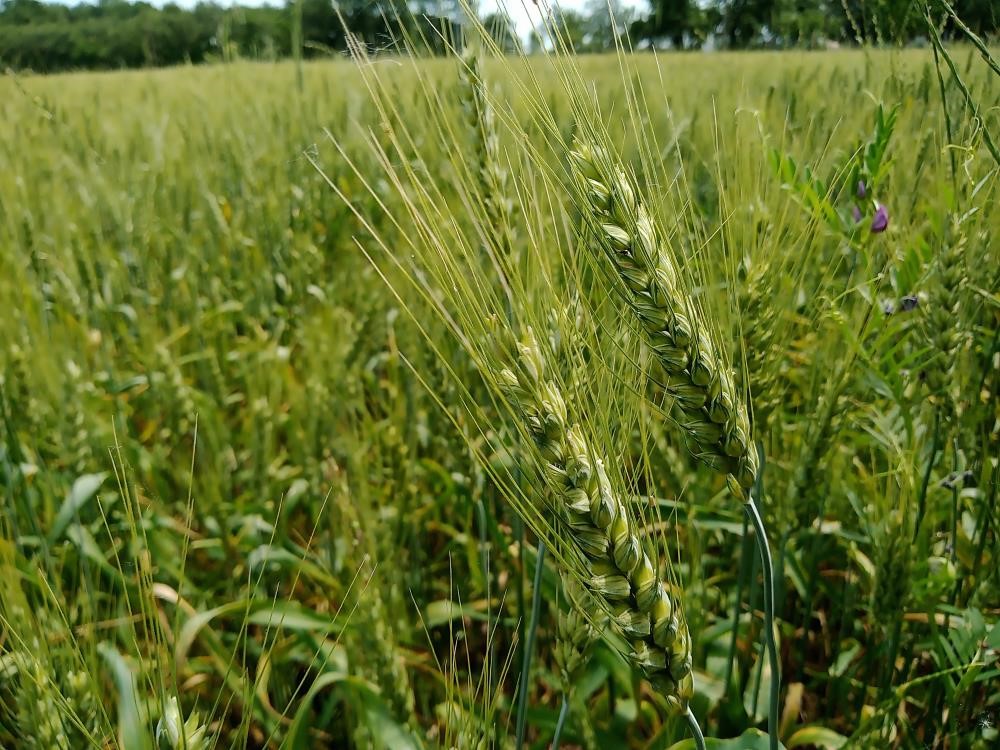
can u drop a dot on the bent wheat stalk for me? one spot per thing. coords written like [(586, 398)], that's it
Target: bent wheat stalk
[(708, 408)]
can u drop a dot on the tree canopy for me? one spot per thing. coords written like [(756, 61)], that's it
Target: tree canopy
[(115, 33)]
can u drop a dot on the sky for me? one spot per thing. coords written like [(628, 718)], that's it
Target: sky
[(525, 14)]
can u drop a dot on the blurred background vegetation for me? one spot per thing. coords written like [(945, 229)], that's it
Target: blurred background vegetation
[(45, 36)]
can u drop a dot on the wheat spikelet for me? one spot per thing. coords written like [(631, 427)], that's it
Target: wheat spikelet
[(376, 633), (710, 411), (173, 732), (620, 574)]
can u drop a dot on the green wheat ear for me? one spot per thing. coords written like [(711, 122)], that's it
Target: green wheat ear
[(491, 175), (576, 635), (618, 572), (708, 409)]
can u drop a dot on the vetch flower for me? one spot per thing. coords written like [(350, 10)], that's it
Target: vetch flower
[(856, 213), (862, 190), (880, 221)]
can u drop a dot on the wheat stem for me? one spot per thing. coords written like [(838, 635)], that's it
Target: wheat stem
[(699, 738), (563, 713), (772, 646), (738, 602), (529, 646)]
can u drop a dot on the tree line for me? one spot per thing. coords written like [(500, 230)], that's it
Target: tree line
[(47, 37)]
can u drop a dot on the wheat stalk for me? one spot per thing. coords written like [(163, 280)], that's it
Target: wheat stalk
[(762, 359), (942, 317), (708, 407)]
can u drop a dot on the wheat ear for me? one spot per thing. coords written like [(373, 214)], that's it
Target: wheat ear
[(943, 317), (175, 732), (710, 411), (576, 635), (762, 361), (620, 574), (490, 173)]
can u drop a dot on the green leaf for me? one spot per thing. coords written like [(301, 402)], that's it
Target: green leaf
[(752, 739), (386, 731), (288, 616), (845, 657), (89, 548), (132, 732), (84, 488), (191, 628), (818, 736), (993, 639), (444, 610), (756, 704)]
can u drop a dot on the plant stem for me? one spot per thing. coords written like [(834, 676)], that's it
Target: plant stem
[(741, 579), (563, 713), (983, 523), (954, 504), (529, 647), (699, 738), (925, 484), (767, 565)]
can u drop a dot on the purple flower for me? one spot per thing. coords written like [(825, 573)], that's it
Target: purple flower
[(862, 190), (880, 221), (856, 213)]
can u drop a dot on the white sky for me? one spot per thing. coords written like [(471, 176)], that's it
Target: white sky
[(525, 13)]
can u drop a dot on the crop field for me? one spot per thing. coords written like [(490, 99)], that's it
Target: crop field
[(406, 403)]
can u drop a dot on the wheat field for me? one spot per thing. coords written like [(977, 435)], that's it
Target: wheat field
[(312, 400)]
